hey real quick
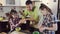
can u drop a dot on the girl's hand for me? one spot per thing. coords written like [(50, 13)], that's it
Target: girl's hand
[(42, 29), (12, 27)]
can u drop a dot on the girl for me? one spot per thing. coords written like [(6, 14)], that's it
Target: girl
[(14, 20), (49, 26)]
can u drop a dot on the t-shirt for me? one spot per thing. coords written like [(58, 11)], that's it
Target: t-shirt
[(33, 13)]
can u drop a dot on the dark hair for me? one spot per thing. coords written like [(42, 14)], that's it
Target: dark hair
[(28, 2), (47, 8), (7, 14), (13, 11)]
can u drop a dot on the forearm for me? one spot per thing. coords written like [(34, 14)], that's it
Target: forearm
[(17, 24), (31, 19), (54, 28), (50, 28), (22, 13)]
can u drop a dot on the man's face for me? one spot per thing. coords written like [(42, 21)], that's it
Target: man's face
[(29, 7)]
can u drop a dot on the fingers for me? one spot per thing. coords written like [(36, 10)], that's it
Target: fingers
[(22, 21), (41, 29)]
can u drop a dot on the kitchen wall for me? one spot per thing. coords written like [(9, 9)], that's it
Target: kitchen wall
[(50, 3), (7, 9), (2, 2), (17, 3)]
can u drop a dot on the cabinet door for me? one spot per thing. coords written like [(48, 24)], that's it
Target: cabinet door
[(10, 2)]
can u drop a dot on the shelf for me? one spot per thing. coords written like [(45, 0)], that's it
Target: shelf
[(36, 1), (13, 6)]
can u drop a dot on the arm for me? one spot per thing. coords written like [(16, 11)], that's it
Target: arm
[(40, 19), (31, 18), (54, 28), (11, 24), (34, 16), (41, 28), (20, 22), (21, 12), (10, 21)]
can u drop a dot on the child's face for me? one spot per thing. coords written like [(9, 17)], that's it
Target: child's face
[(14, 15), (29, 7), (44, 11)]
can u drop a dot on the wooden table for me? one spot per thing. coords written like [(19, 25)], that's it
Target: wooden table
[(15, 32)]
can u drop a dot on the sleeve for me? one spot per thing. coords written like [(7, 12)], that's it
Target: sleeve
[(35, 15), (25, 12)]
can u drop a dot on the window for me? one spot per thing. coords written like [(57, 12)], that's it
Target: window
[(10, 2)]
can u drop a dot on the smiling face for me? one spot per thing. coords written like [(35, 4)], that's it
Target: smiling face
[(29, 7), (15, 15), (44, 11)]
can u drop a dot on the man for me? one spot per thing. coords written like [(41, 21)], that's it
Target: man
[(31, 14), (30, 11)]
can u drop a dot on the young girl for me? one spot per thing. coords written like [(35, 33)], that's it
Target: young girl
[(49, 25), (14, 20)]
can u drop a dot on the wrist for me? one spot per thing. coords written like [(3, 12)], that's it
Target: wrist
[(46, 28)]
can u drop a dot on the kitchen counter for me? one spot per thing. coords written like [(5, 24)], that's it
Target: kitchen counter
[(4, 26)]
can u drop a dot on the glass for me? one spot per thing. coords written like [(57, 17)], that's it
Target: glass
[(35, 32), (18, 29)]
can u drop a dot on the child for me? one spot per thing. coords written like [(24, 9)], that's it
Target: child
[(49, 26)]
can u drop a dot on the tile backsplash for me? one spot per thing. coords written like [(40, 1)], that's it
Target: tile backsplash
[(6, 9)]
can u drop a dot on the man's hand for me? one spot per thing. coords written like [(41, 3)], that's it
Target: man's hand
[(21, 12), (12, 26), (22, 21), (31, 19)]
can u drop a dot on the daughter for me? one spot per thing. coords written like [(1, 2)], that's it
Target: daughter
[(49, 26), (14, 20)]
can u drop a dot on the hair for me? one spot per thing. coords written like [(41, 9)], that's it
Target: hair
[(13, 11), (28, 2), (7, 14), (47, 8)]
